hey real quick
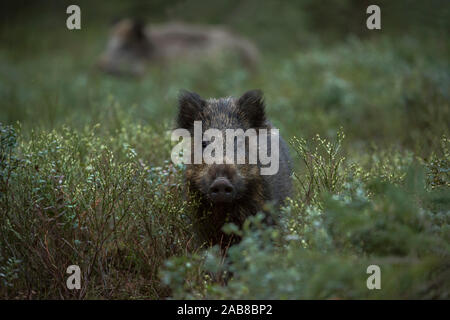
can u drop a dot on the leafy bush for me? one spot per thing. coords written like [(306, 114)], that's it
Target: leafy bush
[(324, 247), (74, 198)]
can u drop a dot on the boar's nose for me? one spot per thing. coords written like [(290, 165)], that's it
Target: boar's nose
[(221, 190)]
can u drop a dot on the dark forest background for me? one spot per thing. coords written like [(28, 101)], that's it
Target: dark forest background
[(86, 178)]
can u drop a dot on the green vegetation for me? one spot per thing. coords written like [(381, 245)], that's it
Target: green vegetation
[(86, 177)]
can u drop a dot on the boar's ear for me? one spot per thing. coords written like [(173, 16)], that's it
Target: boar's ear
[(190, 105), (138, 29), (251, 104), (115, 21)]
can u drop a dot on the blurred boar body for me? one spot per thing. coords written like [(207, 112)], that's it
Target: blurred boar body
[(230, 192), (132, 46)]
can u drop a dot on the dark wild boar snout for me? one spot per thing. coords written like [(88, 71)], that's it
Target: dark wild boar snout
[(221, 191)]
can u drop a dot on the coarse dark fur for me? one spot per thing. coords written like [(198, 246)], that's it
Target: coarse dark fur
[(251, 190)]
